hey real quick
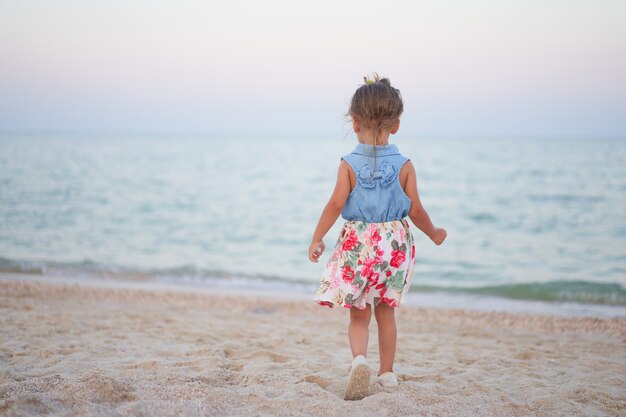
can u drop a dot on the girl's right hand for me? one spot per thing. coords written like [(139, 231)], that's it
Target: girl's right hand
[(439, 236), (315, 250)]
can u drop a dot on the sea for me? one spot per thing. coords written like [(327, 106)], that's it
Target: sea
[(534, 224)]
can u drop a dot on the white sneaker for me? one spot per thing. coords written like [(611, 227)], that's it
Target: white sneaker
[(388, 380), (359, 379)]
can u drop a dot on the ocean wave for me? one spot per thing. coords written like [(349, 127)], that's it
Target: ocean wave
[(184, 273), (587, 292), (559, 291)]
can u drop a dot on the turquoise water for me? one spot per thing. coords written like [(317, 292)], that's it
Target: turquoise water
[(526, 219)]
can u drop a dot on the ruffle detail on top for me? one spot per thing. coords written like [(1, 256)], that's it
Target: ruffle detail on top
[(386, 174)]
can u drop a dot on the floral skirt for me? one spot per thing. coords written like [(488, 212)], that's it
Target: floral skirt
[(371, 263)]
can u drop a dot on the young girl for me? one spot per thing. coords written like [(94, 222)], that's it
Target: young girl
[(373, 259)]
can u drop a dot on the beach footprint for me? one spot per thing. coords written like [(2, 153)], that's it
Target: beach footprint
[(315, 379)]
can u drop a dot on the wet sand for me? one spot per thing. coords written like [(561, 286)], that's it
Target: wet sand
[(77, 350)]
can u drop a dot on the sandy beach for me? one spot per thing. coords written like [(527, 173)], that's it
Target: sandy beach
[(77, 350)]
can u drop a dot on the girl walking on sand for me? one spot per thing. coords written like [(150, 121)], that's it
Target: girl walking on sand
[(372, 262)]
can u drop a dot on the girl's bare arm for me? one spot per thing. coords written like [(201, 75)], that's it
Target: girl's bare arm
[(331, 211), (417, 213)]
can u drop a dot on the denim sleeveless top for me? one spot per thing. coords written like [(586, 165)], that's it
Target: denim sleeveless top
[(379, 197)]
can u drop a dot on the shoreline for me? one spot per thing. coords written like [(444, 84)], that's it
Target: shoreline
[(427, 299), (148, 290), (76, 349)]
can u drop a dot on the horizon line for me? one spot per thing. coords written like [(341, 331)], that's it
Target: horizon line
[(306, 133)]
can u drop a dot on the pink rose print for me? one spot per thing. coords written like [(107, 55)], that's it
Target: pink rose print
[(397, 257), (366, 271), (373, 237), (389, 301), (379, 256), (347, 274), (350, 242)]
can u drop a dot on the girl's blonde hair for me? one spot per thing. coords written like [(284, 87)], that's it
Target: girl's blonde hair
[(376, 106)]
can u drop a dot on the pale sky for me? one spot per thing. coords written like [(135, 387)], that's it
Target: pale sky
[(468, 67)]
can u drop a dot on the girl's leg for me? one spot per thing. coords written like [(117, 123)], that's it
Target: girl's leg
[(386, 336), (358, 330)]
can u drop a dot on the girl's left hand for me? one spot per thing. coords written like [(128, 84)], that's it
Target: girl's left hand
[(315, 250)]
